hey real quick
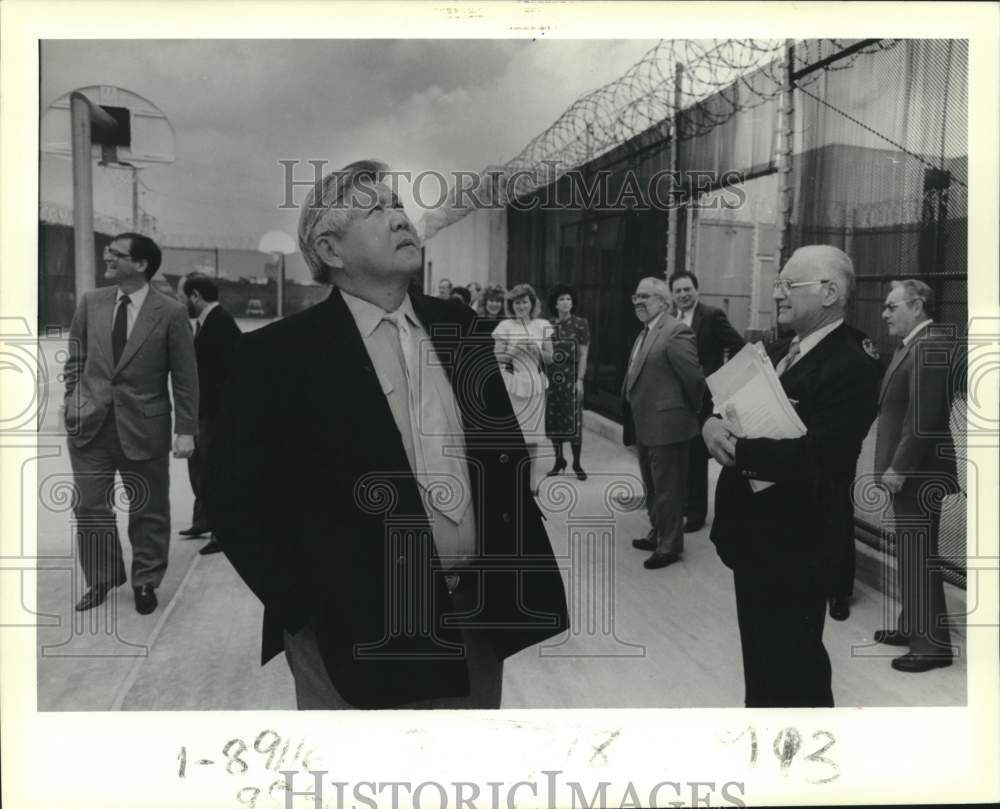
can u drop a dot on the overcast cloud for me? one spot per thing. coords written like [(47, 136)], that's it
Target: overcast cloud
[(237, 107)]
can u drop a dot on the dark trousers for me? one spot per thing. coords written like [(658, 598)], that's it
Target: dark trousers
[(664, 474), (696, 507), (781, 614), (196, 473), (146, 487), (922, 617)]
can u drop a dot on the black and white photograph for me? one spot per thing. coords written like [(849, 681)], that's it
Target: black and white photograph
[(528, 382)]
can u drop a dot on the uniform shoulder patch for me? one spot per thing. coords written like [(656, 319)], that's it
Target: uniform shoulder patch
[(870, 348)]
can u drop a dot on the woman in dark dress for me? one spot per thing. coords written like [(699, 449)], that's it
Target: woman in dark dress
[(564, 403)]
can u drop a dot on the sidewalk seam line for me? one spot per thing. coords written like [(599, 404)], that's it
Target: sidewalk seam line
[(133, 675)]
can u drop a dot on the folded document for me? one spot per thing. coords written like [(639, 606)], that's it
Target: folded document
[(747, 391)]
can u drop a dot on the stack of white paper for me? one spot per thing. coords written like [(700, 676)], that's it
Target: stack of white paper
[(747, 391)]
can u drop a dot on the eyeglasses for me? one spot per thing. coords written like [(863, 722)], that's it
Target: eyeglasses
[(892, 307), (643, 296), (784, 287), (115, 254)]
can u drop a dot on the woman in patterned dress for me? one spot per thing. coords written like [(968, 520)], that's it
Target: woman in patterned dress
[(564, 401)]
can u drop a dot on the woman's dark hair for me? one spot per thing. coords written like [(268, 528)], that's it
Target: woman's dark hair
[(557, 292)]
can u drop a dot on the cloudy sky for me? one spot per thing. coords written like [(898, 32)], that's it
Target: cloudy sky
[(239, 106)]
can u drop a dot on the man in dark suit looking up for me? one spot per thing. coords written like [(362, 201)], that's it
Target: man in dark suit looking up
[(369, 481), (216, 338), (661, 396), (126, 340), (717, 342), (786, 544), (915, 462)]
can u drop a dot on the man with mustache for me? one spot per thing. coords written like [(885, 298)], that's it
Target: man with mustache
[(661, 396), (367, 480)]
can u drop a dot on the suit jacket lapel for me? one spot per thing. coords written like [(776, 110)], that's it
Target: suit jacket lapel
[(812, 360), (204, 326), (146, 319), (646, 345), (897, 360), (696, 318), (444, 341), (104, 314)]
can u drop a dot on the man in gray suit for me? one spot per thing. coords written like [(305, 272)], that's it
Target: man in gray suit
[(915, 462), (661, 396), (124, 342)]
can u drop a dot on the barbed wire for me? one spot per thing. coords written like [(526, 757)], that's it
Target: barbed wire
[(720, 79)]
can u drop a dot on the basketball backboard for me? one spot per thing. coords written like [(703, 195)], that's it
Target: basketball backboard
[(145, 136)]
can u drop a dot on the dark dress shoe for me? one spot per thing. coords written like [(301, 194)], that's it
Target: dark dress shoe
[(693, 525), (915, 662), (212, 546), (658, 560), (644, 544), (555, 470), (145, 599), (580, 474), (96, 596), (840, 609), (193, 531), (891, 637)]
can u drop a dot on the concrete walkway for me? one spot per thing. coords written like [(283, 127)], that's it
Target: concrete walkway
[(640, 638)]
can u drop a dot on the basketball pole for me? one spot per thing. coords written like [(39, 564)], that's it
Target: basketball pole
[(84, 116)]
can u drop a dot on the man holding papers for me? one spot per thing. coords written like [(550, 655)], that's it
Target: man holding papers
[(785, 542)]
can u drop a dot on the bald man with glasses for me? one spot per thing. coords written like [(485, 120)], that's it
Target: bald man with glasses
[(788, 544)]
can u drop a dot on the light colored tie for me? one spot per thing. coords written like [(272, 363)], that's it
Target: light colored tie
[(789, 359), (441, 475)]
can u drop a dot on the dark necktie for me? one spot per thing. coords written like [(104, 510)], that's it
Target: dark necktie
[(197, 328), (119, 332)]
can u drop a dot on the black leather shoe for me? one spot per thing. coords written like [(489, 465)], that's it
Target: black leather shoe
[(658, 560), (193, 531), (145, 599), (891, 637), (915, 662), (840, 608), (580, 474), (644, 544), (691, 525), (96, 596), (555, 470), (212, 546)]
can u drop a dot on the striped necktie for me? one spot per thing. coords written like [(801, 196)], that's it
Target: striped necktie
[(789, 359)]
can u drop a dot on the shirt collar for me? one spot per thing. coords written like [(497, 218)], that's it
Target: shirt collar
[(923, 324), (367, 315), (653, 320), (136, 298), (810, 341), (204, 312)]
